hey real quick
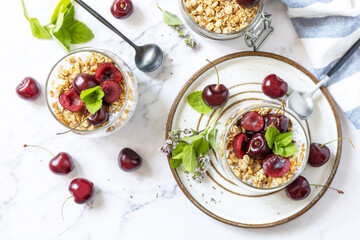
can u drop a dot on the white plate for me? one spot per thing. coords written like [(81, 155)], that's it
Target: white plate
[(242, 73)]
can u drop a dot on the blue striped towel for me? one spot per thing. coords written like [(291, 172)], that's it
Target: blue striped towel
[(328, 28)]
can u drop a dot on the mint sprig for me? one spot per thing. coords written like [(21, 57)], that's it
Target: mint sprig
[(280, 143), (92, 98)]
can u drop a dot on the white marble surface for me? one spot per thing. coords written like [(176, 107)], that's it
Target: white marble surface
[(146, 204)]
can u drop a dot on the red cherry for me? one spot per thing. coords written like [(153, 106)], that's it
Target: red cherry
[(298, 189), (71, 101), (100, 117), (112, 91), (239, 145), (129, 160), (280, 121), (84, 81), (319, 155), (215, 96), (276, 166), (252, 121), (274, 87), (122, 9), (61, 164), (248, 3), (82, 190), (108, 72), (28, 89), (258, 147)]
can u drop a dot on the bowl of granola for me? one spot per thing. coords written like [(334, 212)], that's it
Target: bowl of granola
[(91, 92), (263, 148), (225, 20)]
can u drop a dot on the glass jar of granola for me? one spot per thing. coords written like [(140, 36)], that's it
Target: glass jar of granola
[(225, 20), (243, 168), (87, 61)]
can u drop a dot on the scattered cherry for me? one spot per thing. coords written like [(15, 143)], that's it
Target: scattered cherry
[(280, 121), (99, 117), (239, 145), (112, 91), (82, 190), (84, 81), (298, 189), (107, 71), (257, 147), (248, 3), (252, 121), (319, 154), (122, 9), (129, 160), (28, 89), (276, 166), (71, 101), (274, 87), (215, 95)]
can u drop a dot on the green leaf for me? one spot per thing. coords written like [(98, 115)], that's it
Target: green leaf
[(289, 150), (178, 156), (189, 161), (62, 6), (63, 38), (175, 162), (92, 98), (179, 148), (284, 138), (80, 33), (37, 30), (278, 150), (212, 137), (270, 135), (201, 146), (196, 137), (171, 19), (196, 102)]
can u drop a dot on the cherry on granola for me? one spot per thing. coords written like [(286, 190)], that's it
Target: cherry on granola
[(100, 117), (108, 71), (71, 101), (239, 145), (276, 166), (28, 89), (252, 121), (257, 147), (112, 91), (280, 121), (84, 81)]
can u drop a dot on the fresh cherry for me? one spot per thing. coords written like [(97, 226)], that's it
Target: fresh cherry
[(129, 160), (252, 121), (82, 190), (28, 89), (99, 117), (108, 71), (319, 154), (112, 91), (280, 121), (248, 3), (276, 166), (239, 145), (71, 101), (274, 87), (84, 81), (122, 9), (257, 147), (298, 189), (215, 95)]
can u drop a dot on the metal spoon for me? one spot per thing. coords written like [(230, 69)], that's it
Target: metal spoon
[(148, 57), (302, 102)]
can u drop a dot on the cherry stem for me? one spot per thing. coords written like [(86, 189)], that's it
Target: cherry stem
[(273, 121), (321, 146), (122, 4), (38, 146), (159, 7), (217, 73), (62, 207), (62, 133), (337, 190), (25, 13)]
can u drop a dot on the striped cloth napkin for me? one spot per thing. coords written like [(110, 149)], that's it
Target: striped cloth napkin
[(328, 28)]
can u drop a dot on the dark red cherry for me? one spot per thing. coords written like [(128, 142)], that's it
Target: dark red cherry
[(252, 121), (99, 117), (280, 121), (248, 3), (61, 164), (215, 96), (298, 189), (276, 166), (71, 101), (122, 8), (112, 91), (239, 145), (84, 81), (129, 160), (257, 147), (108, 72), (274, 87), (82, 190), (28, 89), (318, 156)]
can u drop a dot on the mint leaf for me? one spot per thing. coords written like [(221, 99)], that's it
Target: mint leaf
[(289, 150), (80, 33), (270, 135), (201, 146), (212, 137), (174, 163), (284, 138), (92, 98), (179, 148), (37, 30), (189, 160), (196, 137), (170, 18), (196, 102), (63, 38), (178, 156), (278, 150), (62, 6)]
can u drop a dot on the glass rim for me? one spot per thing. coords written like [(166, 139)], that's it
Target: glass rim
[(105, 53)]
